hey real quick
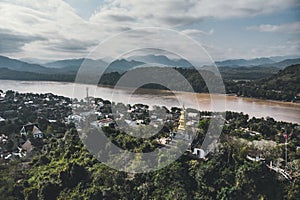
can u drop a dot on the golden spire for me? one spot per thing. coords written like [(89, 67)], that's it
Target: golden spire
[(182, 123)]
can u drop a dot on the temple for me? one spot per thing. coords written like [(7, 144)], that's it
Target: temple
[(182, 122)]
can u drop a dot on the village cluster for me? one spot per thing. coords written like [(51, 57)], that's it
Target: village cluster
[(26, 120)]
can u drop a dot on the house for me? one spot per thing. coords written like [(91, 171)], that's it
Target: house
[(3, 139), (105, 122), (297, 98), (140, 121), (37, 133), (2, 95), (31, 128), (99, 114), (27, 146), (74, 119), (191, 123), (192, 115), (199, 153), (255, 156), (164, 140), (152, 117), (254, 133), (2, 119)]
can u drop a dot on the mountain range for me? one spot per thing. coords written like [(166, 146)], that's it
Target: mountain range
[(259, 62), (71, 66), (245, 63), (163, 60), (17, 65)]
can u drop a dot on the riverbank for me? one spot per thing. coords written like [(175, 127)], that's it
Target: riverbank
[(281, 111), (160, 91)]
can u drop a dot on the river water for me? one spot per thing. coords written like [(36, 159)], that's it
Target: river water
[(281, 111)]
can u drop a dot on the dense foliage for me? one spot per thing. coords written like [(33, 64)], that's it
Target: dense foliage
[(282, 86), (60, 167), (67, 171)]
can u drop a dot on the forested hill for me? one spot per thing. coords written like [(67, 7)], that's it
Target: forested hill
[(284, 85), (287, 79)]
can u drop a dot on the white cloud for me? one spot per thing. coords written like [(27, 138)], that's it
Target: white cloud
[(52, 29), (284, 48), (170, 13), (197, 32), (293, 28), (53, 22)]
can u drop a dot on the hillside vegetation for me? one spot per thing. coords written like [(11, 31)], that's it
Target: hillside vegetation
[(284, 85)]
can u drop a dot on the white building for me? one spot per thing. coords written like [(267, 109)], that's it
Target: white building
[(31, 128), (2, 119), (199, 153)]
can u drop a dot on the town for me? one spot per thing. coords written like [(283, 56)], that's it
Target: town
[(29, 122)]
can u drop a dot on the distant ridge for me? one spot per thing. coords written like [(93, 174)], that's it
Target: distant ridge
[(65, 63), (161, 59), (17, 65), (245, 63), (71, 66), (283, 64), (123, 65)]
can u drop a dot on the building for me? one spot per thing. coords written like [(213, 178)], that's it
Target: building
[(105, 122), (255, 156), (199, 153), (2, 119), (27, 146), (297, 98), (3, 139), (181, 130), (74, 119), (182, 123), (33, 129)]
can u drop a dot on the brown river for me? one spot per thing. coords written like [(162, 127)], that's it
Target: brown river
[(281, 111)]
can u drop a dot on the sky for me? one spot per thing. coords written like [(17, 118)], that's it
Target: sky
[(56, 29)]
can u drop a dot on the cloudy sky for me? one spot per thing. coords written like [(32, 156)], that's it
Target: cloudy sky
[(57, 29)]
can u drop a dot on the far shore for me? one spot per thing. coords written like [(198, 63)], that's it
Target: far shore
[(142, 91)]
